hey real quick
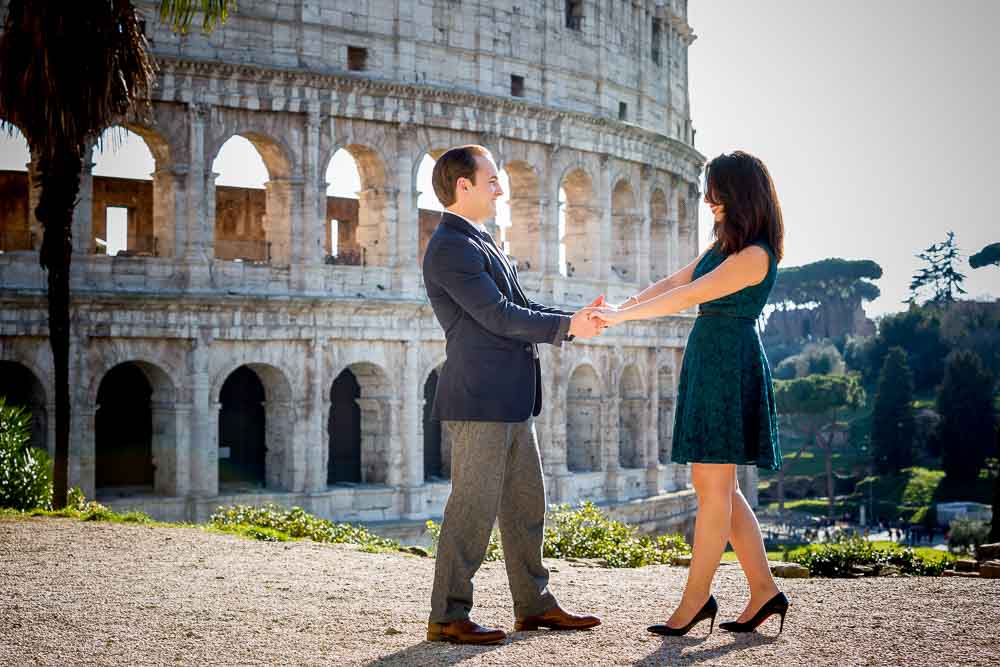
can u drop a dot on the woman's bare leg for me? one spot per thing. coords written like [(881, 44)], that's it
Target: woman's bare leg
[(748, 543), (714, 484)]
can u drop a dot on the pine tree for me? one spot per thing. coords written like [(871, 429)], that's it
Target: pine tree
[(941, 274), (965, 403), (892, 418)]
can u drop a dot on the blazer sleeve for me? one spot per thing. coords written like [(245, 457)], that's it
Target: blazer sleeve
[(460, 270)]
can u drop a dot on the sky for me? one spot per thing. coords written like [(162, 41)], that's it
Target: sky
[(877, 119)]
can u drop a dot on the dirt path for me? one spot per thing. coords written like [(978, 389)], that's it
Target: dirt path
[(98, 593)]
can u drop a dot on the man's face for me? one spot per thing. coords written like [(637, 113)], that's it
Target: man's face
[(481, 196)]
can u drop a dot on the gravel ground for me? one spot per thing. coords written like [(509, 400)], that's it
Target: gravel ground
[(99, 593)]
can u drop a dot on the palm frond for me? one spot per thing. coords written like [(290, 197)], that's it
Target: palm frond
[(179, 14)]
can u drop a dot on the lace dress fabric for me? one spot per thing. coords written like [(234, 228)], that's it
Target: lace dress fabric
[(725, 402)]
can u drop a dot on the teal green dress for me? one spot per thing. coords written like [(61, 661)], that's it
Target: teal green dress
[(725, 402)]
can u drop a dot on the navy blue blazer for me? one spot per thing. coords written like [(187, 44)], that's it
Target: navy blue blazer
[(492, 371)]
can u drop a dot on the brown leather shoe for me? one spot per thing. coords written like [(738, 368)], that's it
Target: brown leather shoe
[(463, 632), (556, 619)]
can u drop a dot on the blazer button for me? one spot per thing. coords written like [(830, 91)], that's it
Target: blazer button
[(527, 348)]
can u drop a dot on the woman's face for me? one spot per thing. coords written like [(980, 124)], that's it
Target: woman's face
[(718, 210)]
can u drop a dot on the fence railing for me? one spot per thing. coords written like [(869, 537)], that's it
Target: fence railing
[(349, 257)]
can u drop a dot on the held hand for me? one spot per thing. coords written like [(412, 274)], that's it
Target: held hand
[(606, 316), (583, 326), (598, 302)]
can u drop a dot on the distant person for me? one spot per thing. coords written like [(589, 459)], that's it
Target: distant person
[(488, 392), (725, 412)]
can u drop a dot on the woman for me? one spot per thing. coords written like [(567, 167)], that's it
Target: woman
[(725, 407)]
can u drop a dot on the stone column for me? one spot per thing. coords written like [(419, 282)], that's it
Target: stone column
[(282, 465), (393, 450), (310, 229), (34, 196), (583, 241), (406, 221), (317, 444), (204, 453), (411, 442), (180, 416), (376, 236), (653, 430), (83, 451), (283, 208), (682, 471), (83, 212), (168, 184), (604, 236), (527, 233), (645, 225), (199, 205), (614, 481)]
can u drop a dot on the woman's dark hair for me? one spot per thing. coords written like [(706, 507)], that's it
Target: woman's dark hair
[(740, 182)]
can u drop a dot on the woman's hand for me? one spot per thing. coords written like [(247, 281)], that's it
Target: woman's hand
[(608, 316)]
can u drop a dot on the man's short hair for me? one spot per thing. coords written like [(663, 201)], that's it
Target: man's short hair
[(456, 163)]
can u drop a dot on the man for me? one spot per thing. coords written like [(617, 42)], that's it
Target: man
[(488, 391)]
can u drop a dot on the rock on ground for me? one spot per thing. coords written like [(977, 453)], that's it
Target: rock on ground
[(98, 593)]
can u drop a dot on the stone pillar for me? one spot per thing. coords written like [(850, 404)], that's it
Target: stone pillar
[(316, 440), (376, 236), (682, 471), (199, 206), (605, 235), (644, 224), (309, 230), (83, 213), (652, 438), (283, 209), (406, 222), (168, 185), (583, 241), (204, 453), (527, 233), (34, 196), (411, 442), (284, 465), (180, 416), (614, 481), (393, 449), (83, 451)]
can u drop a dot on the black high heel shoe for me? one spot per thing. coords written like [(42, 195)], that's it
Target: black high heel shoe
[(709, 610), (776, 605)]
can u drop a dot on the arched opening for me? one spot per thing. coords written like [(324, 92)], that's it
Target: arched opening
[(583, 421), (428, 207), (624, 233), (519, 215), (344, 430), (437, 461), (361, 421), (20, 387), (17, 230), (242, 430), (582, 226), (665, 417), (254, 197), (631, 407), (358, 208), (661, 251), (123, 431), (130, 216)]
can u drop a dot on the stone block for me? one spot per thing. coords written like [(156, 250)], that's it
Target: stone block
[(988, 552), (990, 569), (966, 565), (790, 571)]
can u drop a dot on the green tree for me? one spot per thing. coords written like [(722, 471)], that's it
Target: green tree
[(940, 274), (71, 70), (965, 403), (813, 405), (918, 331), (988, 256), (892, 418)]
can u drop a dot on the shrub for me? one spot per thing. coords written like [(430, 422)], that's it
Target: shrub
[(964, 535), (840, 559), (586, 532), (25, 472), (272, 522)]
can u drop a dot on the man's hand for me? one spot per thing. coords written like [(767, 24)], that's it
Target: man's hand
[(583, 326), (606, 317)]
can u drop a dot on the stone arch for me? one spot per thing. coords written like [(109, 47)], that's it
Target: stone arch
[(363, 229), (18, 228), (526, 215), (665, 418), (254, 226), (661, 236), (135, 429), (582, 223), (143, 202), (256, 421), (631, 417), (368, 449), (20, 386), (584, 397), (625, 230)]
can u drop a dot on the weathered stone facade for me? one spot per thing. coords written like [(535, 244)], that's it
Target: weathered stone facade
[(604, 117)]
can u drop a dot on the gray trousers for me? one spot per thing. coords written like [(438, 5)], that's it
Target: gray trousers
[(496, 472)]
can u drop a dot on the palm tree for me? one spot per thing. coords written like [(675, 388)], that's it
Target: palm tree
[(68, 71)]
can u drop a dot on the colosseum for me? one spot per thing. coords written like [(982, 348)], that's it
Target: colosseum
[(275, 344)]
